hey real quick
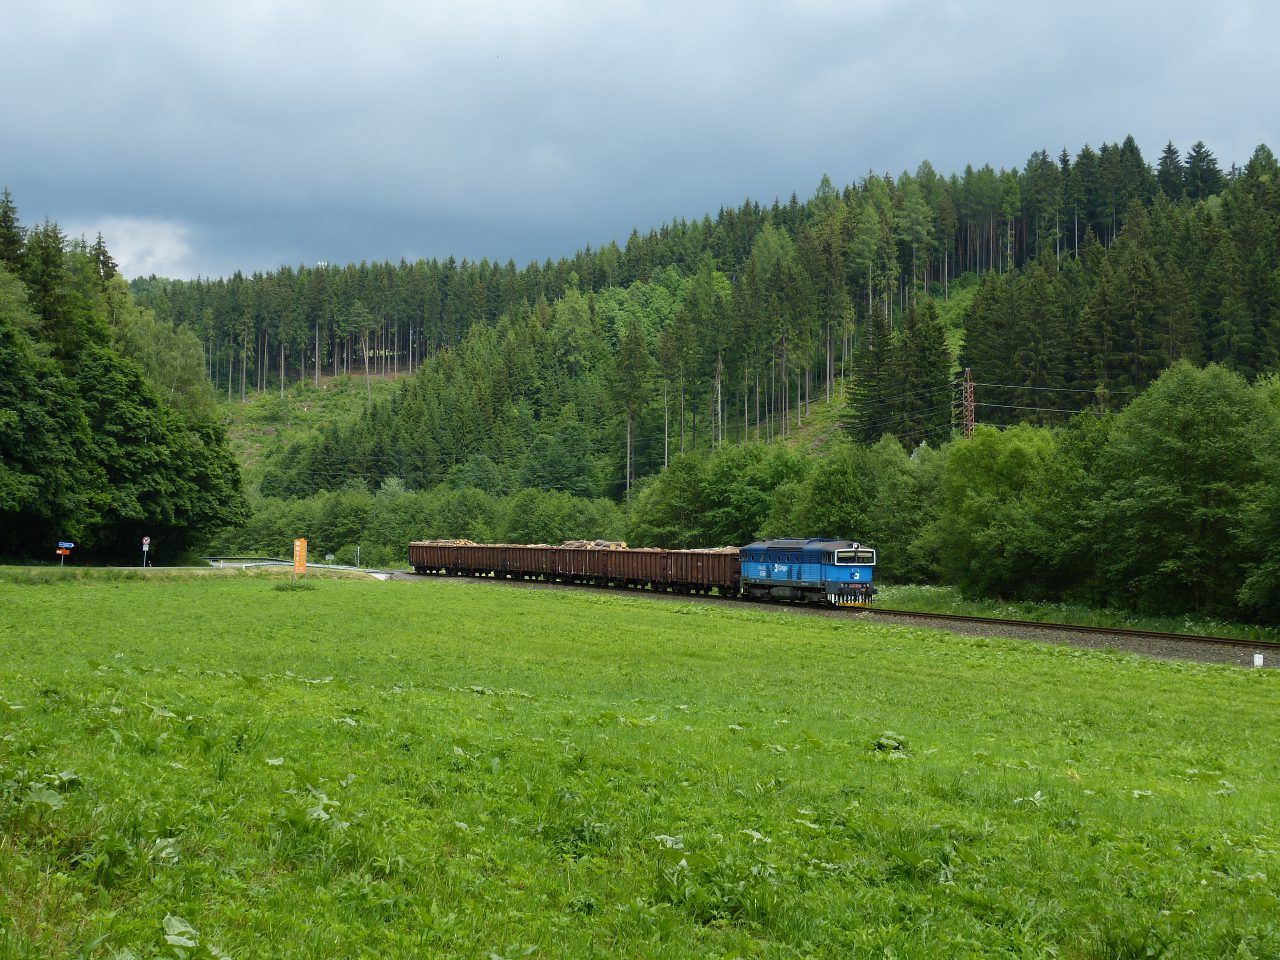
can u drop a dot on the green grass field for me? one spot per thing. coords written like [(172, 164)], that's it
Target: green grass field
[(198, 767), (942, 599)]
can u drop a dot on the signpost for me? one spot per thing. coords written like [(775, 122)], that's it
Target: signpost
[(64, 550), (300, 557), (146, 547)]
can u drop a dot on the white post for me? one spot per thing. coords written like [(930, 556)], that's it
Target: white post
[(1257, 660)]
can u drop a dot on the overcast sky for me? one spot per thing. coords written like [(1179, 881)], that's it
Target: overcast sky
[(252, 134)]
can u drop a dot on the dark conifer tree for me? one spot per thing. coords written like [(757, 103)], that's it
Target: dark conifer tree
[(1038, 347), (867, 415), (922, 362), (107, 267), (11, 233), (1171, 174), (1204, 177), (987, 343), (45, 273)]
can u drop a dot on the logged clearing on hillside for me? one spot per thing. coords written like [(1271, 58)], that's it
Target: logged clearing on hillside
[(214, 767)]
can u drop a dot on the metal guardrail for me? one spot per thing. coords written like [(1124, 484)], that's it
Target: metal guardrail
[(247, 562)]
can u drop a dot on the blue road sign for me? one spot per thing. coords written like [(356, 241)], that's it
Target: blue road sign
[(65, 545)]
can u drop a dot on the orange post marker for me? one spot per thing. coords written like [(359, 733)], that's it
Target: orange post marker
[(300, 557)]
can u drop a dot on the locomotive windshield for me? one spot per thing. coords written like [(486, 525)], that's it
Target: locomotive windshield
[(864, 556)]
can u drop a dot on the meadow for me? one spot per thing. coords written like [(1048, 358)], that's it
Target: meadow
[(933, 598), (208, 766)]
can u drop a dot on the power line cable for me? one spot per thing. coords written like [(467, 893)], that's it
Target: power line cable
[(919, 393), (1015, 386), (1007, 406), (904, 415)]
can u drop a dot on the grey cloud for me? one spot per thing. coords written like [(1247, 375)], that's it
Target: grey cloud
[(288, 132)]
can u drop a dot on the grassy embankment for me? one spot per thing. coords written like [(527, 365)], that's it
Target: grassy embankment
[(460, 769)]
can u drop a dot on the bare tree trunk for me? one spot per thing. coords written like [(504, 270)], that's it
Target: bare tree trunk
[(769, 400), (828, 371), (786, 394), (717, 435), (666, 423), (758, 403), (682, 414), (368, 384), (317, 356), (282, 368)]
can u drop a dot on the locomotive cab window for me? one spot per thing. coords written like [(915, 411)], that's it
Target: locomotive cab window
[(863, 557)]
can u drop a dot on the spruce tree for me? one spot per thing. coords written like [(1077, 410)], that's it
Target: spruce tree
[(1228, 323), (45, 273), (989, 341), (922, 361), (1171, 174), (107, 267), (11, 233), (867, 415), (1038, 343), (1204, 177)]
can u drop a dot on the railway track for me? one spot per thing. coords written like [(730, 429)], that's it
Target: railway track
[(1262, 646), (1180, 646)]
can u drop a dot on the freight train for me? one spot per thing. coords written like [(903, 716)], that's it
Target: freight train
[(831, 572)]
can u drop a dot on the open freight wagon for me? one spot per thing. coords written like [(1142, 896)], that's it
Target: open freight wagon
[(680, 571)]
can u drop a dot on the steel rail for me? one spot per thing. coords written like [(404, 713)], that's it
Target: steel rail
[(1191, 638)]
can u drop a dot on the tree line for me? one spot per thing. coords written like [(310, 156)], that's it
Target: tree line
[(1182, 281), (826, 263), (108, 429), (609, 383)]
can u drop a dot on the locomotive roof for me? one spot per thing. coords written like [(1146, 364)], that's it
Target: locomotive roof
[(815, 543)]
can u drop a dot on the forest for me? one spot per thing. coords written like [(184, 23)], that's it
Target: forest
[(108, 427), (1062, 285), (666, 391), (645, 409)]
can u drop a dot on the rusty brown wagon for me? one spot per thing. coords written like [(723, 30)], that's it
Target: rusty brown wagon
[(683, 571)]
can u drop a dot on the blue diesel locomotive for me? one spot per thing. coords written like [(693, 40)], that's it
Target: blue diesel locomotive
[(838, 572)]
